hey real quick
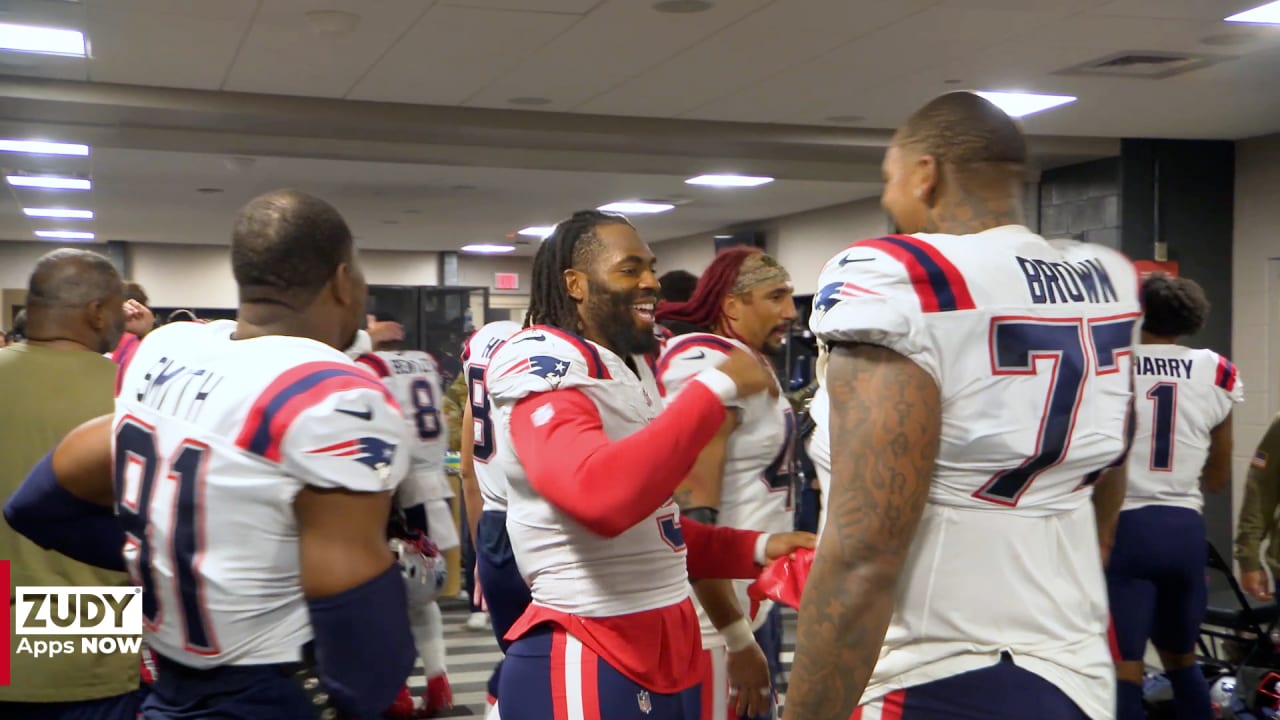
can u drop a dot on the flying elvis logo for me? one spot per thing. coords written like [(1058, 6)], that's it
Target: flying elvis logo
[(375, 453)]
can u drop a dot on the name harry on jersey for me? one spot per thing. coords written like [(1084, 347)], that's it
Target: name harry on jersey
[(1164, 367), (1066, 282)]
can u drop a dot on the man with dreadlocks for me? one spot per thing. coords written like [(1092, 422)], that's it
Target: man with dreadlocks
[(591, 464), (743, 302)]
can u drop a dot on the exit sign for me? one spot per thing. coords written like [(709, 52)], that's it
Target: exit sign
[(506, 281)]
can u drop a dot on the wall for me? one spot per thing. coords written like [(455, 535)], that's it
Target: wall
[(803, 242), (1255, 295), (1081, 201)]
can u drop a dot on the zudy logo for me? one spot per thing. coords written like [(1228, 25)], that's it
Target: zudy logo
[(106, 619)]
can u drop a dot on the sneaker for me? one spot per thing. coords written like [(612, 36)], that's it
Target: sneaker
[(438, 697), (478, 621), (402, 708)]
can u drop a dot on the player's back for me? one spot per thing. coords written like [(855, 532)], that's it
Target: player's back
[(413, 378), (477, 353), (1180, 395), (214, 439), (1028, 342)]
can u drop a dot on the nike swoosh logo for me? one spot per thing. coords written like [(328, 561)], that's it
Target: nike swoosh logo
[(366, 414), (699, 356), (530, 337), (846, 260)]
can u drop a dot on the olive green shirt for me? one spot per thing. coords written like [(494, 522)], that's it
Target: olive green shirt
[(455, 398), (1258, 512), (47, 393)]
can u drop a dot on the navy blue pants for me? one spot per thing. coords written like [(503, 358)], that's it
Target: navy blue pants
[(117, 707), (505, 592), (226, 693), (1156, 580), (550, 675), (1003, 691)]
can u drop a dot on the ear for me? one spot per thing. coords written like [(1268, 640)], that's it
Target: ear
[(731, 307), (575, 283), (95, 314), (340, 285), (926, 175)]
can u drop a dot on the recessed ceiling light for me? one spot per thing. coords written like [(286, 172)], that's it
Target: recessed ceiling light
[(487, 249), (529, 101), (845, 118), (59, 213), (538, 231), (723, 237), (636, 208), (46, 182), (1268, 14), (64, 235), (45, 40), (736, 181), (682, 6), (1020, 104), (39, 147)]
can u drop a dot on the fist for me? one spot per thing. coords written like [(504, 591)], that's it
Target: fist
[(780, 544), (749, 373)]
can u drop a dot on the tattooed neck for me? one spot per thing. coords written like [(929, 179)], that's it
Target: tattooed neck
[(965, 214)]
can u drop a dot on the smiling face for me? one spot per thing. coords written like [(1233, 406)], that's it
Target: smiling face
[(617, 291)]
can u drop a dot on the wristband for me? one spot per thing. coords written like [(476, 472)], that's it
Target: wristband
[(737, 635), (703, 514), (762, 543), (718, 382)]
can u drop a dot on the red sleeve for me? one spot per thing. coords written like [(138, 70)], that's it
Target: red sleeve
[(606, 485), (719, 552)]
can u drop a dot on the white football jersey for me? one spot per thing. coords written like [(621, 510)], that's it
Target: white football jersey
[(476, 355), (818, 446), (755, 492), (1180, 395), (1029, 343), (413, 378), (569, 568), (214, 438)]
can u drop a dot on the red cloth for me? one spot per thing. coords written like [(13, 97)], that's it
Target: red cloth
[(566, 454), (782, 580)]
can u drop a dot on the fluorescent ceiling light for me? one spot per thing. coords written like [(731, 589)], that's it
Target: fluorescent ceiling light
[(39, 147), (33, 39), (58, 213), (729, 180), (64, 235), (1019, 104), (49, 183), (538, 231), (487, 249), (1268, 14), (636, 208)]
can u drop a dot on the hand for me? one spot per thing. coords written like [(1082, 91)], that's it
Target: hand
[(780, 544), (749, 684), (138, 318), (384, 331), (1256, 584), (749, 373)]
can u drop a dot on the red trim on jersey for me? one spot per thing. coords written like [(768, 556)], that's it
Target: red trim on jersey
[(719, 345), (376, 364), (660, 650), (1227, 375), (719, 552), (560, 440), (707, 673), (1113, 643), (123, 355), (595, 364), (938, 283), (295, 391), (893, 705)]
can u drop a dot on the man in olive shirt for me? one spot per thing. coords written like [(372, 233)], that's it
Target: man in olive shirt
[(52, 383), (1258, 516)]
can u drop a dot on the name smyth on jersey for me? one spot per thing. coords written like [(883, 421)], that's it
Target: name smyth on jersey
[(406, 366), (1067, 282), (182, 390), (1166, 367)]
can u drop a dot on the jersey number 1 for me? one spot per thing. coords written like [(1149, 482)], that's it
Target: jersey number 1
[(1016, 346), (1165, 397), (136, 444)]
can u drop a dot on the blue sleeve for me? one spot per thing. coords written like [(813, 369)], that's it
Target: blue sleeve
[(363, 644), (51, 517)]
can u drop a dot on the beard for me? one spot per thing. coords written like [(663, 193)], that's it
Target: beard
[(610, 313)]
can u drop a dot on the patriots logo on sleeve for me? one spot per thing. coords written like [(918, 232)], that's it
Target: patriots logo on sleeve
[(552, 369), (832, 293), (375, 453)]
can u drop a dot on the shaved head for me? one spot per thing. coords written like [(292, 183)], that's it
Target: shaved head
[(71, 278), (963, 130), (289, 242)]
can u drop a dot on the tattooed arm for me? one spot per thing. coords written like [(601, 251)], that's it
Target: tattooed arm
[(701, 487), (886, 413)]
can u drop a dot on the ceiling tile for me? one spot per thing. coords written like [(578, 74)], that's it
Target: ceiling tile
[(439, 61), (541, 6), (617, 41), (282, 54)]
